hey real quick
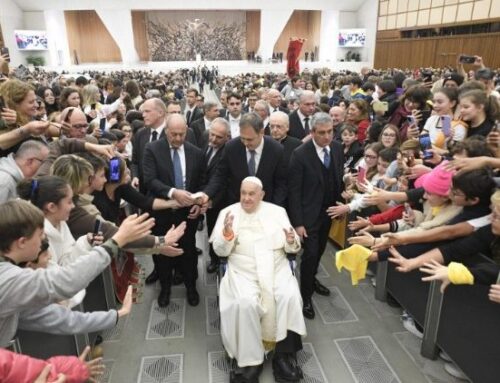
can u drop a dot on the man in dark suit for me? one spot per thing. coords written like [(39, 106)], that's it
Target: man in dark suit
[(274, 101), (191, 111), (262, 109), (174, 168), (174, 107), (278, 124), (211, 111), (223, 112), (218, 134), (154, 113), (252, 99), (300, 120), (251, 154), (314, 185)]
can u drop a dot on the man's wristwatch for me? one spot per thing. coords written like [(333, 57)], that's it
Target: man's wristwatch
[(161, 241)]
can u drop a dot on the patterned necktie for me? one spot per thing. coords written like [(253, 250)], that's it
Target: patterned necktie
[(154, 135), (251, 163), (178, 180), (326, 158), (306, 125)]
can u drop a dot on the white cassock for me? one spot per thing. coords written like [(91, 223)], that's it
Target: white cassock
[(259, 296)]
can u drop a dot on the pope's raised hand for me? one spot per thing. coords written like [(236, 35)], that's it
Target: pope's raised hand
[(228, 224)]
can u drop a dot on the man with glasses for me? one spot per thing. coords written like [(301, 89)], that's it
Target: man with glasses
[(75, 125), (20, 165), (314, 185)]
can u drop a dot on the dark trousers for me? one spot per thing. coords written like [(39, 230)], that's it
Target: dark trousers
[(186, 263), (291, 344), (314, 247), (212, 215)]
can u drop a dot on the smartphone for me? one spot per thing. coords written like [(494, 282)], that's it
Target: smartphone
[(498, 279), (114, 170), (425, 145), (5, 51), (102, 124), (446, 125), (361, 174), (464, 59), (411, 119), (2, 103), (92, 106), (97, 226)]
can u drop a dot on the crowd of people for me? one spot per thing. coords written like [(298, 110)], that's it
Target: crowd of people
[(404, 161)]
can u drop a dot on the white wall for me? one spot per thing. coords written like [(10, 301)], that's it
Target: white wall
[(35, 21), (272, 23), (119, 25), (57, 38), (11, 18), (366, 18), (328, 36)]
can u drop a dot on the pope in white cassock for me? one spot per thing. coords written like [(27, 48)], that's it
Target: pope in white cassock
[(260, 301)]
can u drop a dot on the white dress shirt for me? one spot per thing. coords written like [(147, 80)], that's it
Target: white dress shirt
[(235, 126), (157, 130), (320, 152), (258, 155), (302, 118)]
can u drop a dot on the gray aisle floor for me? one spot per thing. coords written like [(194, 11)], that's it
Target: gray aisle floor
[(353, 338)]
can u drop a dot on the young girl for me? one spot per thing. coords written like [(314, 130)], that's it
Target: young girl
[(479, 111), (352, 148), (445, 101), (389, 136)]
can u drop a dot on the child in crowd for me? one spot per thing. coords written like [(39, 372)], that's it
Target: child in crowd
[(353, 151)]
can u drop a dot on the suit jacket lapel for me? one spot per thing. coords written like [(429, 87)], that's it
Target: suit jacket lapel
[(189, 164), (315, 161)]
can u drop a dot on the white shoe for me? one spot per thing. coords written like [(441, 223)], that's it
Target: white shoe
[(409, 325), (443, 355), (454, 371), (373, 281)]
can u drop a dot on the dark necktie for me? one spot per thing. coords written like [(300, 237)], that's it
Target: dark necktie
[(251, 163), (188, 117), (154, 135), (306, 125), (326, 158), (178, 180), (209, 154)]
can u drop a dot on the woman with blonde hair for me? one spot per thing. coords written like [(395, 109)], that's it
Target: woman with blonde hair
[(17, 122), (92, 107)]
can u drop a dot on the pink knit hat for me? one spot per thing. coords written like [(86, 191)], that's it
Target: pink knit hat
[(438, 181)]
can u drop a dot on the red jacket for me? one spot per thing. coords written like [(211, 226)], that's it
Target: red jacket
[(18, 368), (363, 126), (392, 214)]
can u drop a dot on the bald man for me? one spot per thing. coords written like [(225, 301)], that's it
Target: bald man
[(260, 302), (174, 168), (338, 117), (274, 101)]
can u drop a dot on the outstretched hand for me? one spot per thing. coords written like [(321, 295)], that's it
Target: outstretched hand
[(95, 367), (437, 272)]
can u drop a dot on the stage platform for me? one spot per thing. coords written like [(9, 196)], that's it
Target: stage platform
[(228, 68)]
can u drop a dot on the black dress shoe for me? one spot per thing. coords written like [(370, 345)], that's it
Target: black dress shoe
[(285, 368), (308, 309), (193, 297), (152, 278), (164, 297), (177, 279), (198, 251), (320, 289), (212, 267), (248, 374)]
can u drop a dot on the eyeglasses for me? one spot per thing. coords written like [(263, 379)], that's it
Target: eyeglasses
[(80, 126), (456, 193)]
